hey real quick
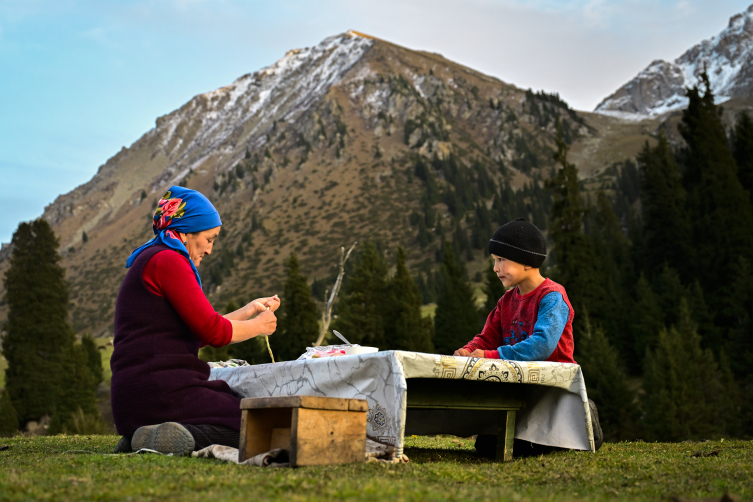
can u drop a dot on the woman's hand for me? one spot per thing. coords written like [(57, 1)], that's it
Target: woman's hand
[(263, 324), (468, 353), (266, 322), (254, 308), (270, 303)]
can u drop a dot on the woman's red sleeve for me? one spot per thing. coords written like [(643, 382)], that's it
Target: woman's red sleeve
[(168, 274)]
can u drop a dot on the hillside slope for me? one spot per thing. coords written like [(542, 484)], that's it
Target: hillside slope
[(354, 139)]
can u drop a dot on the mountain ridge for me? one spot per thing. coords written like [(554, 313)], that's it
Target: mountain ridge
[(320, 149), (660, 87)]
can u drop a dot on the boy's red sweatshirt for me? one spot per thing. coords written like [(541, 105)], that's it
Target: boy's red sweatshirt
[(541, 321)]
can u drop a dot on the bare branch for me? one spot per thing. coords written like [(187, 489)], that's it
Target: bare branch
[(327, 313)]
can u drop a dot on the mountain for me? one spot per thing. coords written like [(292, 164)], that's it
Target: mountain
[(354, 139), (660, 88)]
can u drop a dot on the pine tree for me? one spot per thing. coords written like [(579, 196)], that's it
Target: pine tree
[(703, 317), (493, 289), (8, 416), (648, 322), (607, 383), (742, 145), (669, 290), (39, 342), (77, 390), (93, 358), (718, 205), (613, 251), (666, 227), (739, 343), (577, 265), (360, 317), (681, 402), (299, 324), (455, 319), (405, 328)]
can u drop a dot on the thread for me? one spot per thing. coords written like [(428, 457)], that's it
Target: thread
[(269, 348)]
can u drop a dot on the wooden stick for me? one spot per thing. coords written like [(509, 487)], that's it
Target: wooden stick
[(327, 313)]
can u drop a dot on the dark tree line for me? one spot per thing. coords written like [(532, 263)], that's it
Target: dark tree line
[(48, 373), (662, 297)]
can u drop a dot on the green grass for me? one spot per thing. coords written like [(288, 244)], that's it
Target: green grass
[(79, 467)]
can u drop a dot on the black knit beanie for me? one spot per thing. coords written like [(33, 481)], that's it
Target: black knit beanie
[(519, 241)]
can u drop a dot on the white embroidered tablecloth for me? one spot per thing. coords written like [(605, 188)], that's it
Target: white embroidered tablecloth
[(556, 411)]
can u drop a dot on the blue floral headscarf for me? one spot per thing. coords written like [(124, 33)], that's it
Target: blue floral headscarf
[(182, 210)]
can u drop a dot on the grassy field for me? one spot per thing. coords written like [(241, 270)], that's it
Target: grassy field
[(80, 467)]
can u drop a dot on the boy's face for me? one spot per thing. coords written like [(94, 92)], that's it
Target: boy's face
[(509, 272)]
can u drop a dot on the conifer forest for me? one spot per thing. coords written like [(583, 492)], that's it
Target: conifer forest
[(658, 267)]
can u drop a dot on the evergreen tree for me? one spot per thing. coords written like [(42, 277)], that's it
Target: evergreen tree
[(648, 322), (612, 249), (298, 319), (93, 358), (77, 390), (493, 289), (703, 317), (253, 351), (431, 287), (740, 340), (8, 416), (576, 263), (405, 328), (39, 342), (742, 145), (360, 315), (455, 319), (718, 205), (607, 383), (669, 290), (681, 401), (666, 226)]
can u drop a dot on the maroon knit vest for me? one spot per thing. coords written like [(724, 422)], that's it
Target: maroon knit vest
[(156, 373)]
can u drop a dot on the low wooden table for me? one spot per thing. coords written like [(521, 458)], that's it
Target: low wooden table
[(316, 430), (442, 394)]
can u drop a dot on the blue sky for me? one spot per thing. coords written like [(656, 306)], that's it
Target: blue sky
[(81, 79)]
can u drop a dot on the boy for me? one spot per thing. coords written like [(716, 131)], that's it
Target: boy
[(534, 321), (531, 322)]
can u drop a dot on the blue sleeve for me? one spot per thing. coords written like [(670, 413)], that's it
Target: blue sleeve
[(552, 318)]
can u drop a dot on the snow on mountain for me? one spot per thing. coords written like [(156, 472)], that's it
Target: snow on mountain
[(282, 91), (660, 87)]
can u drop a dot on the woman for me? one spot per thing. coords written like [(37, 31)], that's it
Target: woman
[(161, 396)]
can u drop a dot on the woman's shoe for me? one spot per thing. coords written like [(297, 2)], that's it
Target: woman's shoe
[(123, 446), (167, 438)]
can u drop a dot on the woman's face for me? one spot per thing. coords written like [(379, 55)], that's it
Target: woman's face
[(200, 244)]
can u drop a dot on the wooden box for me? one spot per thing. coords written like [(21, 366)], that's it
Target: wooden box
[(316, 430)]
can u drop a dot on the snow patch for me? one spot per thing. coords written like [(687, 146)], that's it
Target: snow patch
[(660, 87)]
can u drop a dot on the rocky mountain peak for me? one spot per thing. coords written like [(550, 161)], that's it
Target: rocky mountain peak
[(340, 142), (660, 87)]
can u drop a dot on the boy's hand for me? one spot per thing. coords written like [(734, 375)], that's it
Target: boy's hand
[(468, 353)]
